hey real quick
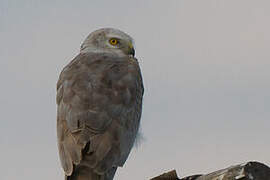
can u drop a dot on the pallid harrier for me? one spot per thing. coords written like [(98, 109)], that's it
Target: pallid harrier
[(99, 98)]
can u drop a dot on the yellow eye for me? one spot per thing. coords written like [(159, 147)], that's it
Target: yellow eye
[(113, 41)]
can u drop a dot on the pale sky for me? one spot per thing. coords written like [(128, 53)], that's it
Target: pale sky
[(206, 69)]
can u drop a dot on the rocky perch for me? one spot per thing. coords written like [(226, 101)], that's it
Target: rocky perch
[(246, 171)]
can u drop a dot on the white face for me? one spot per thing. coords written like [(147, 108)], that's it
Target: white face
[(108, 40)]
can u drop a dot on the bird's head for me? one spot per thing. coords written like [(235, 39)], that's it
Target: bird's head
[(109, 40)]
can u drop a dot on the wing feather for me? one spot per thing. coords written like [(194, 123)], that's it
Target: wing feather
[(99, 103)]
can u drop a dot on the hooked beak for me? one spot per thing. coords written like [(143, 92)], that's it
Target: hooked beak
[(131, 50)]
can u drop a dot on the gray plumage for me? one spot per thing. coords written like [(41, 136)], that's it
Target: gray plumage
[(99, 98)]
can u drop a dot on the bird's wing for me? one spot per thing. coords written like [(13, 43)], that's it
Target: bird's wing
[(93, 91)]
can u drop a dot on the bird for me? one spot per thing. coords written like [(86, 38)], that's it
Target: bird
[(99, 106)]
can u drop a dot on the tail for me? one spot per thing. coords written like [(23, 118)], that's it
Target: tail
[(88, 174)]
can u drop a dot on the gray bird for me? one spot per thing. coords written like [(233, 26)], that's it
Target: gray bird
[(99, 106)]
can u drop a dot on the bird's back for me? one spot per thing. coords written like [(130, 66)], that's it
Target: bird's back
[(99, 99)]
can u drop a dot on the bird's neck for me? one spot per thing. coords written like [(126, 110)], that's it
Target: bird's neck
[(90, 49)]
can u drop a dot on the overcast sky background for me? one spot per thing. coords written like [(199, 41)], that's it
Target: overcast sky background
[(206, 69)]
